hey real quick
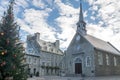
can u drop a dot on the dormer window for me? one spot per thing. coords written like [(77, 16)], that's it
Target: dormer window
[(49, 45), (44, 43), (52, 49), (45, 47)]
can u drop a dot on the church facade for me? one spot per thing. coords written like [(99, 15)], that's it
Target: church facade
[(90, 56)]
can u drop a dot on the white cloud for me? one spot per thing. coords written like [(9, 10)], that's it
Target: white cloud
[(1, 10), (91, 2), (35, 21), (3, 7), (39, 3), (92, 17), (24, 26), (22, 3), (109, 13), (67, 22)]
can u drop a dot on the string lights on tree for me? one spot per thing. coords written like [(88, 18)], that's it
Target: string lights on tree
[(11, 50), (2, 33)]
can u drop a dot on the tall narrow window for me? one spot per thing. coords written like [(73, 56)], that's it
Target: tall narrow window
[(107, 60), (29, 60), (88, 61), (115, 61), (35, 60), (100, 58)]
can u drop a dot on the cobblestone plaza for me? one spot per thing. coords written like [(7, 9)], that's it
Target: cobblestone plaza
[(75, 78)]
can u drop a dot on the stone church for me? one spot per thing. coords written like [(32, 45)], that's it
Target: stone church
[(89, 56)]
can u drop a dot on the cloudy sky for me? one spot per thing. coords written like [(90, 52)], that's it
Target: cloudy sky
[(56, 19)]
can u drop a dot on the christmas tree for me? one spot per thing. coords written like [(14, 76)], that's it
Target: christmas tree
[(11, 49)]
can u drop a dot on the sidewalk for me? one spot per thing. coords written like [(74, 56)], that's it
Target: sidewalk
[(75, 78)]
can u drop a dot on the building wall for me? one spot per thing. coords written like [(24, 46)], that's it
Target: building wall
[(50, 61), (48, 55), (32, 64), (104, 69)]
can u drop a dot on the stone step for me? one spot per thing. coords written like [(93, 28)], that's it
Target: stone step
[(73, 75)]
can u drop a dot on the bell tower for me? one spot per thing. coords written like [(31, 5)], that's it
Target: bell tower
[(81, 25)]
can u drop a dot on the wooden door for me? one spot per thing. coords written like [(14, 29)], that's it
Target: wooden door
[(78, 68)]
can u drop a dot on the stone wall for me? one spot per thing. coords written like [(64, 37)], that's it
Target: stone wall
[(105, 70)]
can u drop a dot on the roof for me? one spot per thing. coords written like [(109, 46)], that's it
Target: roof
[(101, 45), (32, 55), (49, 45), (41, 45)]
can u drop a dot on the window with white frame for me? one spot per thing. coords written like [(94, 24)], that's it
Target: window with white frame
[(35, 60), (47, 64), (115, 61), (107, 60), (100, 58), (43, 63), (88, 61)]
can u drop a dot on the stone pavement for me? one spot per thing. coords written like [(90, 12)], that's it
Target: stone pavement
[(75, 78)]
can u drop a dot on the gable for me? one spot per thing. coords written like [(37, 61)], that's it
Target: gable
[(79, 44)]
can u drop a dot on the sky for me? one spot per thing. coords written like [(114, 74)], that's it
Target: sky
[(56, 19)]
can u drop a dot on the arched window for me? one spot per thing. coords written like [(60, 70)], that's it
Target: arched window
[(115, 61), (107, 60), (100, 58)]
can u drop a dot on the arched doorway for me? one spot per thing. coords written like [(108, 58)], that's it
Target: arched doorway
[(78, 66)]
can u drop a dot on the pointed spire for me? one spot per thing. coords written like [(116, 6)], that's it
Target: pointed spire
[(81, 13), (81, 25)]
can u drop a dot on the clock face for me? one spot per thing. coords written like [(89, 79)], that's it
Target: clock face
[(78, 37)]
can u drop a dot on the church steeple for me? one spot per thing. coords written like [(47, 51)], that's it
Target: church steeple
[(81, 13), (81, 25)]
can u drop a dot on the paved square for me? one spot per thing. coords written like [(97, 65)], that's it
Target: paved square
[(75, 78)]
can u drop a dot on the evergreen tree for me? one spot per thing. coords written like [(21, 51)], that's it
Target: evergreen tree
[(11, 49)]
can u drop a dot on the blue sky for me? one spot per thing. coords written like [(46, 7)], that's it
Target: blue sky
[(56, 19)]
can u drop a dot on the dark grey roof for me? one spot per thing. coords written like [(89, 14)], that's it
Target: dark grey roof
[(102, 45), (35, 55)]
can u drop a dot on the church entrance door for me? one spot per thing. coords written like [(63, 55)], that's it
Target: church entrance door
[(78, 68)]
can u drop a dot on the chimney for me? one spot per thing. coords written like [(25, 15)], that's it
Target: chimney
[(57, 43), (37, 36)]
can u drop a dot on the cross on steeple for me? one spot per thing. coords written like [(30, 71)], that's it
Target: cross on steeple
[(81, 25)]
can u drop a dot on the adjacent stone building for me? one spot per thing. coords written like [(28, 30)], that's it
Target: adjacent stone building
[(42, 57), (90, 56)]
